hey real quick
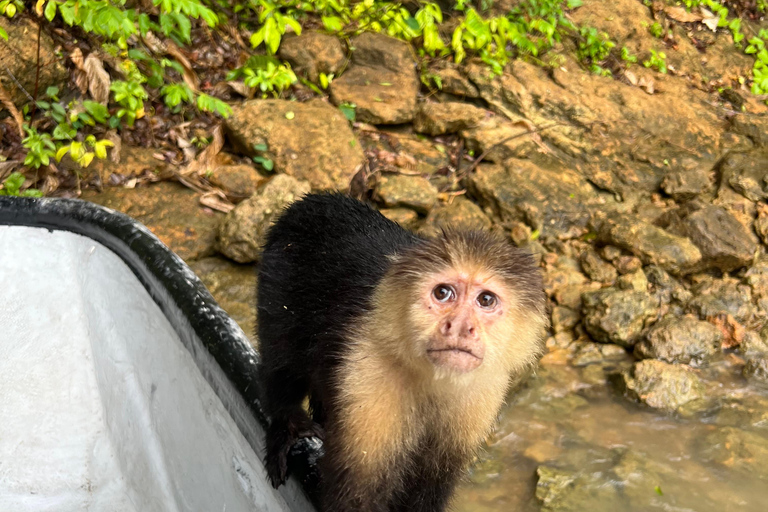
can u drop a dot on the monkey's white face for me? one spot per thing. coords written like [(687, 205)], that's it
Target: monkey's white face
[(459, 310)]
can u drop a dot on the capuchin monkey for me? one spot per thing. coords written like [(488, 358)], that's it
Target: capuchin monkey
[(405, 347)]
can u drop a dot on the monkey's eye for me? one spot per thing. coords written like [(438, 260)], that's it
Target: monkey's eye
[(443, 293), (486, 300)]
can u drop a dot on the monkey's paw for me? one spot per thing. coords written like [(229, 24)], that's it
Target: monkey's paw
[(282, 436)]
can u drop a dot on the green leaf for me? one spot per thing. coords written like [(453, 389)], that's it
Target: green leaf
[(333, 23), (3, 34), (348, 109), (260, 147), (50, 10), (272, 35)]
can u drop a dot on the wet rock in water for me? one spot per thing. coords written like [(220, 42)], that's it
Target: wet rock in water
[(596, 268), (749, 411), (571, 490), (232, 286), (616, 316), (407, 191), (684, 185), (403, 216), (714, 297), (501, 138), (724, 242), (746, 173), (552, 199), (309, 141), (381, 80), (449, 117), (239, 181), (652, 244), (661, 385), (755, 343), (757, 368), (452, 81), (754, 127), (634, 281), (171, 211), (459, 212), (587, 353), (736, 449), (19, 55), (241, 235), (684, 340), (564, 318), (312, 53)]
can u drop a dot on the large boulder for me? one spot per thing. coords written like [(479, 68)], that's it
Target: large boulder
[(684, 340), (310, 141), (381, 80), (241, 234), (661, 385), (617, 316), (313, 53)]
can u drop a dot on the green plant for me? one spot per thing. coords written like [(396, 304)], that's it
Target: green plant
[(130, 95), (594, 47), (349, 111), (40, 148), (11, 186), (656, 30), (627, 56), (9, 8), (657, 60), (266, 73), (264, 161), (84, 152)]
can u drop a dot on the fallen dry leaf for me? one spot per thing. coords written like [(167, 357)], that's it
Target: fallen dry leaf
[(190, 77), (681, 15), (206, 160), (114, 138), (98, 79), (5, 99), (216, 200), (631, 77), (710, 19)]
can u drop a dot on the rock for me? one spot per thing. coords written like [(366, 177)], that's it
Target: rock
[(569, 295), (381, 81), (553, 199), (755, 343), (627, 264), (684, 340), (634, 281), (241, 235), (502, 139), (236, 180), (19, 57), (316, 144), (403, 216), (313, 53), (565, 272), (724, 242), (661, 385), (453, 82), (590, 353), (407, 191), (616, 316), (171, 211), (564, 318), (749, 411), (746, 173), (736, 449), (449, 117), (232, 286), (684, 185), (761, 223), (754, 127), (757, 368), (596, 268), (650, 243), (461, 212), (714, 297)]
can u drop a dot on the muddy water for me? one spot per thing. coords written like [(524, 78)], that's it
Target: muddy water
[(599, 452)]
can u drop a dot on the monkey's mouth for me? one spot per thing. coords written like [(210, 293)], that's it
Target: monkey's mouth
[(454, 358)]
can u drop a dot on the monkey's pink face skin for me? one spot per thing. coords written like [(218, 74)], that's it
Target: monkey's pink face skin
[(463, 307)]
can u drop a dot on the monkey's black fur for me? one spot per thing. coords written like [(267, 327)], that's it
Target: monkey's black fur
[(321, 262)]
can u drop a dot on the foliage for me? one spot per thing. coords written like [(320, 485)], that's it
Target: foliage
[(757, 48), (84, 152), (266, 73), (594, 47), (626, 56), (262, 160), (656, 30), (11, 186), (40, 148), (657, 60)]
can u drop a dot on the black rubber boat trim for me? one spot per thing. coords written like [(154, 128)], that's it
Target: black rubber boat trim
[(162, 273)]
